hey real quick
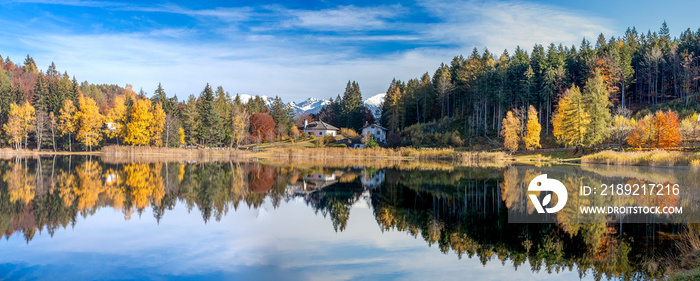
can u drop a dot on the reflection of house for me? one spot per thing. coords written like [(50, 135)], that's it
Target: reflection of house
[(110, 178), (318, 181), (311, 183), (375, 130), (374, 182), (319, 129)]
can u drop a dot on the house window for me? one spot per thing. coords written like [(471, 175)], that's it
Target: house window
[(320, 133)]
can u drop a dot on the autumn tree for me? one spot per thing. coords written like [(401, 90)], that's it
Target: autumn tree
[(13, 127), (571, 120), (67, 121), (532, 139), (621, 127), (262, 126), (89, 122), (690, 128), (510, 132), (660, 130), (240, 120), (119, 115), (597, 103), (140, 120)]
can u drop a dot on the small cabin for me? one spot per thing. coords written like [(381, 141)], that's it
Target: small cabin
[(378, 132), (319, 129)]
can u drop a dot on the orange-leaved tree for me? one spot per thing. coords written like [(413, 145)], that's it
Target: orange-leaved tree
[(262, 126), (660, 130)]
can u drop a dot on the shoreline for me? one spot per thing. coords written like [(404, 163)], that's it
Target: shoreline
[(123, 154)]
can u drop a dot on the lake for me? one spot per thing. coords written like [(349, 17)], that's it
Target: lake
[(67, 218)]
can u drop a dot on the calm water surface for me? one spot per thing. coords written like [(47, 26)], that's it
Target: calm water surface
[(80, 218)]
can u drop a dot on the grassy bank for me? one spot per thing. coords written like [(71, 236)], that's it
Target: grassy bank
[(293, 154), (123, 154), (643, 158)]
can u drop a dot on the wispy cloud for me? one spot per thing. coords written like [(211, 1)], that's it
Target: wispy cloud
[(297, 53), (504, 25), (344, 18)]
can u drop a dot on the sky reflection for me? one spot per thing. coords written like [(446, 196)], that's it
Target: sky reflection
[(290, 242)]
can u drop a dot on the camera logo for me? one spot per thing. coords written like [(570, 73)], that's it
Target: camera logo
[(542, 183)]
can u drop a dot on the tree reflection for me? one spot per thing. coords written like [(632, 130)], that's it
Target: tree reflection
[(459, 210)]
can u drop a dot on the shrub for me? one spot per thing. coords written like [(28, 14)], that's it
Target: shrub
[(371, 143), (338, 145), (349, 133), (328, 139), (304, 135), (393, 139), (456, 140)]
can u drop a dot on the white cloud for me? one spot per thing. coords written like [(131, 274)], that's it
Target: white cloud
[(505, 25), (344, 18), (268, 61)]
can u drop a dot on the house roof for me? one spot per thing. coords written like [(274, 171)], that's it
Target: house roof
[(374, 125), (320, 125)]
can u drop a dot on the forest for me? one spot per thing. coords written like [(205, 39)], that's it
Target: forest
[(581, 96), (638, 90)]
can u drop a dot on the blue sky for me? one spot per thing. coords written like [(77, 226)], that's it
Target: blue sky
[(299, 49)]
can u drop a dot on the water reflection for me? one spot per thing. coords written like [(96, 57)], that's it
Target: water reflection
[(459, 210)]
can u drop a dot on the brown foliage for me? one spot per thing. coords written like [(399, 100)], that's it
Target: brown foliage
[(660, 131), (262, 126)]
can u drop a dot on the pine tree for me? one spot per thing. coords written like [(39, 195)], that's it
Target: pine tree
[(209, 130), (597, 104), (40, 100), (189, 119)]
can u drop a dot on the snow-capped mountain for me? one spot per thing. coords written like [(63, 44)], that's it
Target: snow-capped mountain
[(374, 104), (268, 100), (314, 105), (310, 105)]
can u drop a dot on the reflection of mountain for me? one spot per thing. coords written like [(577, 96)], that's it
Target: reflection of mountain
[(461, 210)]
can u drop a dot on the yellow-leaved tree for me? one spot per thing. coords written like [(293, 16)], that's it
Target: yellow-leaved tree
[(13, 128), (67, 122), (117, 115), (155, 129), (137, 131), (571, 119), (20, 122), (240, 121), (89, 122), (532, 139), (510, 132)]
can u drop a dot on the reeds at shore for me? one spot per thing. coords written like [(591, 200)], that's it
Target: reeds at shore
[(330, 154), (643, 158)]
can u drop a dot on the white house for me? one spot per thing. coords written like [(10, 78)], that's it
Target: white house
[(111, 126), (319, 129), (378, 132)]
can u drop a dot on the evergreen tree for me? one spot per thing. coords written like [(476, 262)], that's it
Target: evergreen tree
[(40, 100), (209, 124)]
